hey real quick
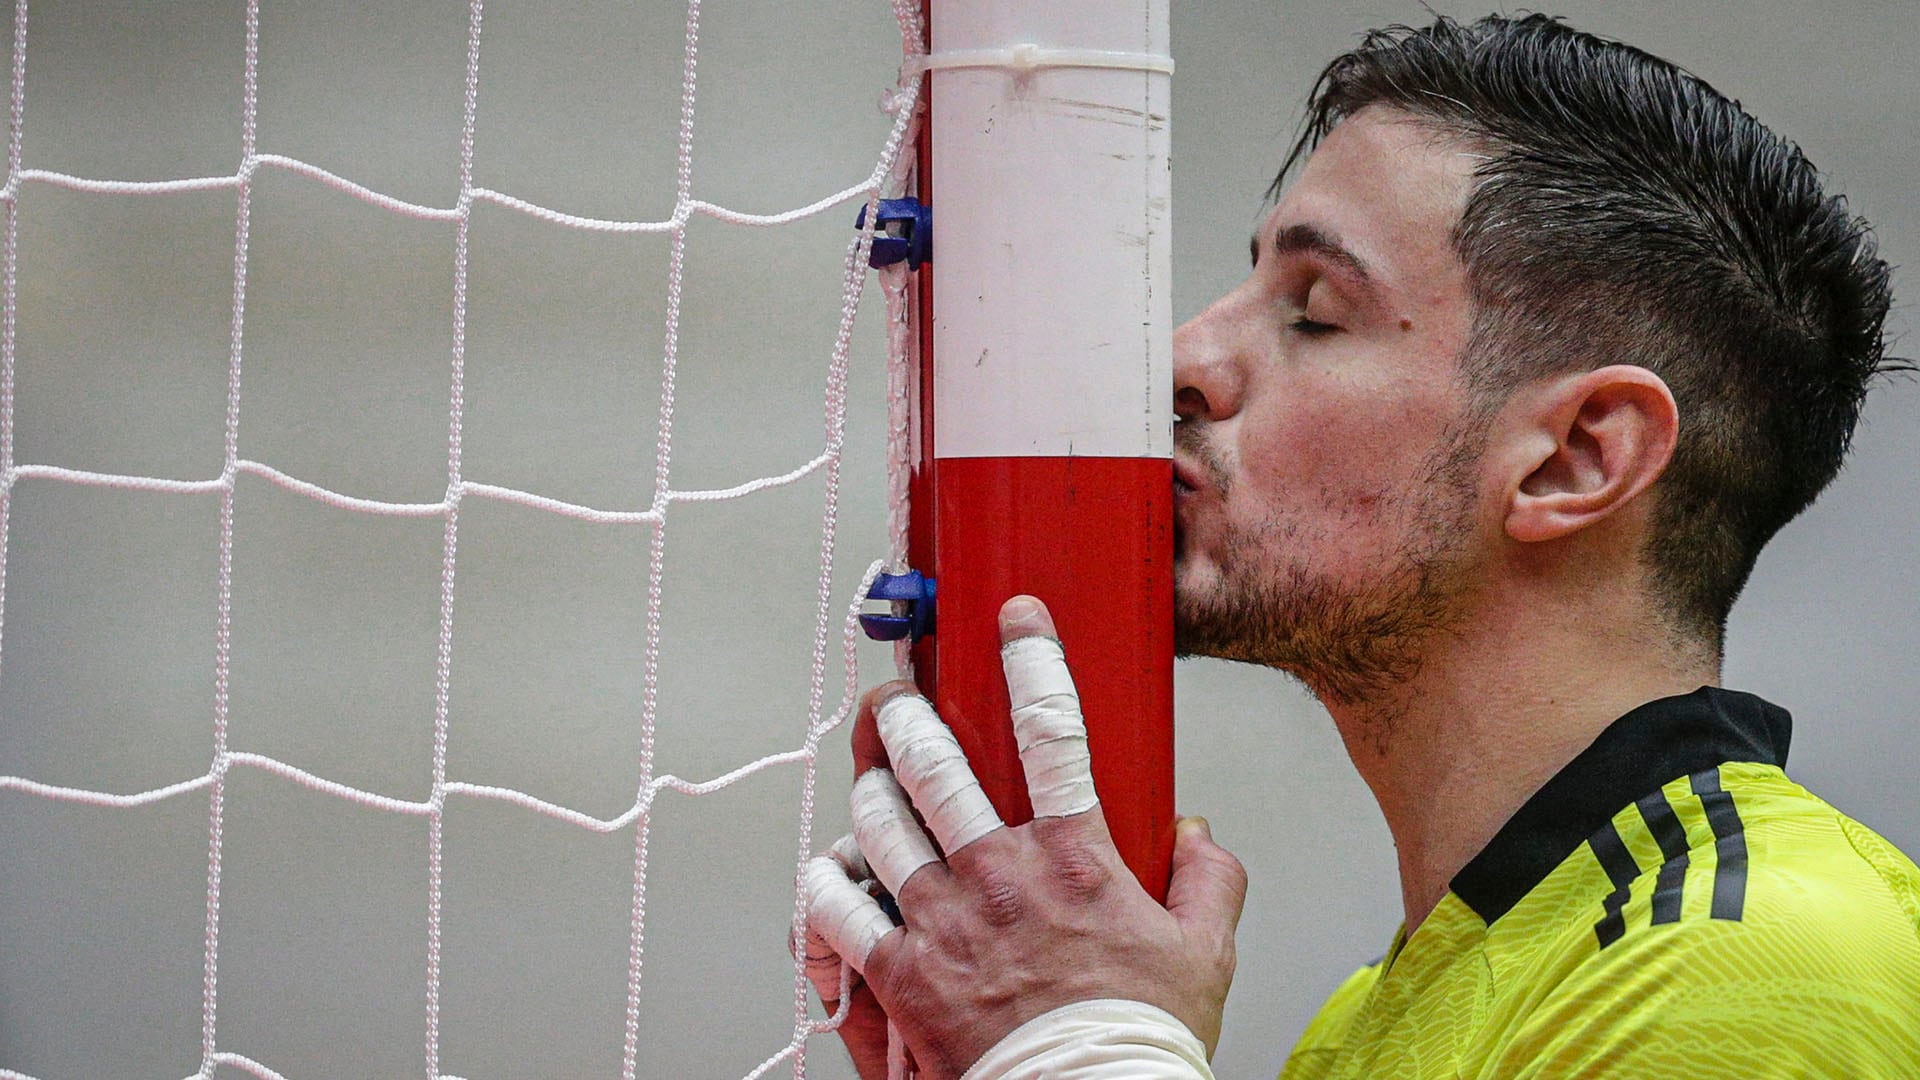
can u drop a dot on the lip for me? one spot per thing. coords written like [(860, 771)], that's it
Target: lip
[(1186, 478)]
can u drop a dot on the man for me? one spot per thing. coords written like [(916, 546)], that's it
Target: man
[(1543, 343)]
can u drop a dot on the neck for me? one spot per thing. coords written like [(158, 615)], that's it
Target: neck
[(1493, 712)]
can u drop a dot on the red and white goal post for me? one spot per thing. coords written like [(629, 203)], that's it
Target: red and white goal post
[(1042, 455)]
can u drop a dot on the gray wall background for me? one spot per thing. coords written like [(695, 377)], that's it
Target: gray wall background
[(109, 623)]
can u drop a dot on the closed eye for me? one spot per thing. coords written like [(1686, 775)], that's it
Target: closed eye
[(1312, 328)]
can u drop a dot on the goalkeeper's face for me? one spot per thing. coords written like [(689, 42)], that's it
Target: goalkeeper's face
[(1327, 483)]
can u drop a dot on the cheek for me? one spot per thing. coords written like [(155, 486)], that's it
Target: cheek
[(1339, 450), (1339, 476)]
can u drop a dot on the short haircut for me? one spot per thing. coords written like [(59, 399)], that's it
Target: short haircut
[(1627, 212)]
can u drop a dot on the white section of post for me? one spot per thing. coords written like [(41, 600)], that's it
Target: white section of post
[(1054, 328)]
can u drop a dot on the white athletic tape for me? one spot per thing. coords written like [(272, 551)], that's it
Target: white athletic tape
[(842, 914), (822, 963), (847, 851), (934, 771), (1096, 1039), (1048, 727), (883, 825)]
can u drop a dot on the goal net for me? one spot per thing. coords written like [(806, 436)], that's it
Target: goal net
[(363, 374), (426, 434)]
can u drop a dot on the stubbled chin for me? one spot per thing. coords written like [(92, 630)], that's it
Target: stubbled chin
[(1194, 579)]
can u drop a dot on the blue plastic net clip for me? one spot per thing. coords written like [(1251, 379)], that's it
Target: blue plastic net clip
[(904, 232), (912, 596)]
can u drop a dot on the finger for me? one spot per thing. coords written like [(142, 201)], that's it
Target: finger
[(868, 751), (823, 967), (842, 914), (1209, 886), (883, 827), (846, 852), (1047, 723), (932, 768)]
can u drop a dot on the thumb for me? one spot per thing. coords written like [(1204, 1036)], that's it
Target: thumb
[(1209, 886)]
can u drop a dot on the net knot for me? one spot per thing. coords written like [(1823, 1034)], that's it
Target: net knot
[(899, 99)]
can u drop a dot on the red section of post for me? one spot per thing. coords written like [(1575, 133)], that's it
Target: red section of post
[(1093, 538)]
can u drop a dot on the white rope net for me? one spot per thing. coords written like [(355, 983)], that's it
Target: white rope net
[(833, 619)]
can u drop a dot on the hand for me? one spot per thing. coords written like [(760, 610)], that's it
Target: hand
[(1013, 922)]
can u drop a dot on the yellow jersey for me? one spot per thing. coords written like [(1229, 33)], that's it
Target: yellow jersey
[(1668, 905)]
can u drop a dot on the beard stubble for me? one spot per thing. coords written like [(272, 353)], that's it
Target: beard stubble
[(1350, 642)]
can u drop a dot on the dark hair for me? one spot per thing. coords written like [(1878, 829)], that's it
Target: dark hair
[(1628, 212)]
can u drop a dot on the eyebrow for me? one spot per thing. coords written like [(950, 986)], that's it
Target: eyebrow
[(1306, 239)]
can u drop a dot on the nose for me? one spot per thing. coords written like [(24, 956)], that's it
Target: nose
[(1208, 374)]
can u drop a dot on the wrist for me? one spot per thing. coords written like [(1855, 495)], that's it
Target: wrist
[(1108, 1037)]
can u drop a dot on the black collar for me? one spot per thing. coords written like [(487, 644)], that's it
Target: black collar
[(1639, 752)]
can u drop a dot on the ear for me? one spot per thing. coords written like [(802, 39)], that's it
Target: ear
[(1594, 441)]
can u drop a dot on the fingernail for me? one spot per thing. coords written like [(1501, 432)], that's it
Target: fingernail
[(885, 694), (1190, 823), (1022, 613)]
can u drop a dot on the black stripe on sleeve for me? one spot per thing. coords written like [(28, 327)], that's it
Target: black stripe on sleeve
[(1672, 838), (1618, 863), (1730, 844)]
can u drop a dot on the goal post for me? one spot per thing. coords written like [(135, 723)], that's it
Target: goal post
[(1046, 460)]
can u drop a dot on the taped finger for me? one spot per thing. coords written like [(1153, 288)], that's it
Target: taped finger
[(841, 915), (846, 851), (934, 771), (884, 830), (1048, 727), (823, 967)]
